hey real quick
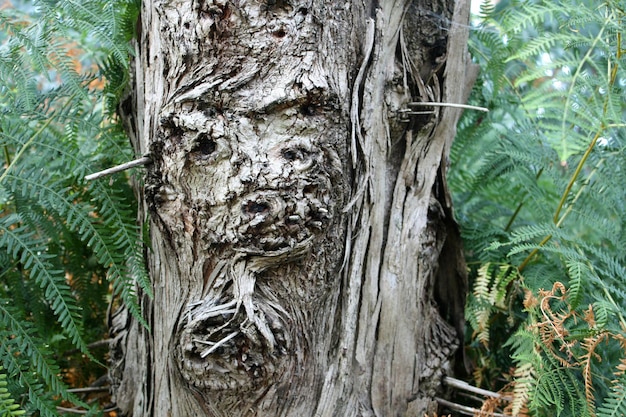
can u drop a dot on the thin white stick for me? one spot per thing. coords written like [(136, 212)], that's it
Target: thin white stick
[(88, 389), (218, 344), (79, 411), (462, 385), (463, 409), (460, 106), (144, 160), (409, 111)]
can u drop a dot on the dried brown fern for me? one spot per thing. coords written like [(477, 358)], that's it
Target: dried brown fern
[(589, 345), (553, 329), (489, 407)]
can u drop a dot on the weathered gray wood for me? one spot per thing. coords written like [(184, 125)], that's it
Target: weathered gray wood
[(297, 215)]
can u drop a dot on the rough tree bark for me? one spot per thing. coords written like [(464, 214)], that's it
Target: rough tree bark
[(303, 256)]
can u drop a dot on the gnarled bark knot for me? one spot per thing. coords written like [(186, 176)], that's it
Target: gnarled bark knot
[(260, 190)]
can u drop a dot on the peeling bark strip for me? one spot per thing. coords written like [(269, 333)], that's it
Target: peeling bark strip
[(295, 213)]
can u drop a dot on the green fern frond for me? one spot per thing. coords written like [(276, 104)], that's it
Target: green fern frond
[(614, 405), (24, 346), (8, 406), (115, 249), (93, 17), (536, 46), (578, 272), (122, 239), (548, 392), (602, 311), (23, 245), (487, 8), (60, 237)]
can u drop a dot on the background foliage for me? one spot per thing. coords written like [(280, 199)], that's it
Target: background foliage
[(538, 184), (63, 241), (539, 188)]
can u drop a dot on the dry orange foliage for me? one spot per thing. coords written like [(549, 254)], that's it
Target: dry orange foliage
[(552, 329)]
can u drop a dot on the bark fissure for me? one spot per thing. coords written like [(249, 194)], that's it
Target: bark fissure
[(293, 209)]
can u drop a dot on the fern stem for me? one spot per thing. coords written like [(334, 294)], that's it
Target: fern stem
[(545, 240), (570, 92), (579, 193), (47, 123), (515, 213), (520, 205), (613, 76), (7, 155), (558, 221), (576, 174)]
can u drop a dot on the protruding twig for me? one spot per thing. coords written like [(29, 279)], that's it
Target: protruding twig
[(464, 386), (81, 411), (144, 160), (409, 111), (457, 105), (89, 389), (463, 409), (413, 111), (218, 344)]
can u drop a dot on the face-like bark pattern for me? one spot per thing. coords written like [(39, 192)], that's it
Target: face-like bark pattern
[(258, 191), (262, 182), (248, 183)]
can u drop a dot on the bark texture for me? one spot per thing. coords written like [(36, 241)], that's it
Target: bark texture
[(298, 213)]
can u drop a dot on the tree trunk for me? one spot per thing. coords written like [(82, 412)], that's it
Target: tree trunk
[(303, 256)]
